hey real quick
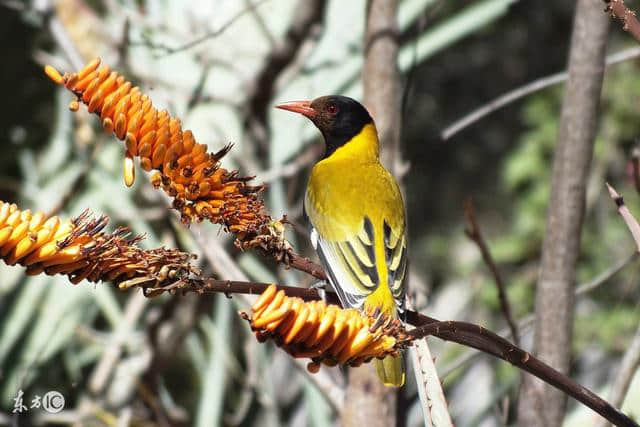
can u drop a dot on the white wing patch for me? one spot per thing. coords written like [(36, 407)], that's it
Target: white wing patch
[(314, 238)]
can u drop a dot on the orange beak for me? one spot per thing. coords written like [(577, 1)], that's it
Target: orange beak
[(302, 107)]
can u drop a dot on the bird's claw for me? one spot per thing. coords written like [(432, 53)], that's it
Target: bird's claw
[(319, 285)]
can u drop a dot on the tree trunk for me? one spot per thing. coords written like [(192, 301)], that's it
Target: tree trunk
[(368, 402), (382, 80), (540, 404)]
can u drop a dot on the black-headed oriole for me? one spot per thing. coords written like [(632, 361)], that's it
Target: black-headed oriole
[(357, 215)]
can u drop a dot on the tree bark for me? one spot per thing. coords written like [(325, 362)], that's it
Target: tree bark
[(382, 80), (540, 404), (369, 402)]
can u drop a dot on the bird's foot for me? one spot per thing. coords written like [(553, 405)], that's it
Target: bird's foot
[(319, 285)]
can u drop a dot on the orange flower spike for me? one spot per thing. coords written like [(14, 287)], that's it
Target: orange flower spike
[(64, 256), (43, 235), (4, 212), (333, 334), (128, 170), (13, 218), (362, 339), (285, 325), (131, 144), (53, 74), (327, 334), (44, 252), (23, 247), (158, 154), (17, 234), (273, 316), (89, 68), (149, 121), (194, 176), (63, 230), (120, 125), (36, 221), (343, 350), (301, 318), (65, 268), (310, 324), (276, 302), (144, 149), (5, 233), (266, 300)]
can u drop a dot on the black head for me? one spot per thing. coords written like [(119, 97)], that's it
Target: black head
[(339, 118)]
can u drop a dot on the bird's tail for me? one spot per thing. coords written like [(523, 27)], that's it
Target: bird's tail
[(391, 370)]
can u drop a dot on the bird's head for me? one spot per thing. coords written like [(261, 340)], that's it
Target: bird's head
[(339, 118)]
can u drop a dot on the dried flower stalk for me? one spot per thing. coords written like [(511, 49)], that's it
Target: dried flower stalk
[(200, 188), (323, 332), (80, 249)]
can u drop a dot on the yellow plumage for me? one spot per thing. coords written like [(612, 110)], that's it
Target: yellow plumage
[(357, 216), (344, 189)]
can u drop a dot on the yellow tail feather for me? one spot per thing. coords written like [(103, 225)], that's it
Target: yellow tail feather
[(391, 370)]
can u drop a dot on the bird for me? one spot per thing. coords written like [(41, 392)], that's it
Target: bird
[(357, 216)]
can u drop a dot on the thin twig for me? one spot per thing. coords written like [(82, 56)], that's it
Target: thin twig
[(169, 50), (473, 232), (522, 91), (628, 366), (626, 215), (635, 163), (619, 10), (606, 275)]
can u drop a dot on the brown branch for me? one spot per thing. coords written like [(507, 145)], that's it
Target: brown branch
[(473, 232), (626, 215), (617, 9), (463, 333), (306, 265), (572, 158)]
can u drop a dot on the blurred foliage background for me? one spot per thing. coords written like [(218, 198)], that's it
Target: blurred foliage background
[(119, 358)]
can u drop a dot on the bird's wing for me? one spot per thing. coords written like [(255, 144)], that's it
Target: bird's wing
[(352, 265), (395, 251)]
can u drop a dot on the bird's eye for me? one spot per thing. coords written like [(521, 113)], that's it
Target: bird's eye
[(332, 109)]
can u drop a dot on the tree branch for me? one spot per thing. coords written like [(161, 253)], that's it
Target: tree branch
[(619, 10), (463, 333), (525, 90), (473, 232), (627, 216), (306, 15), (170, 50)]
